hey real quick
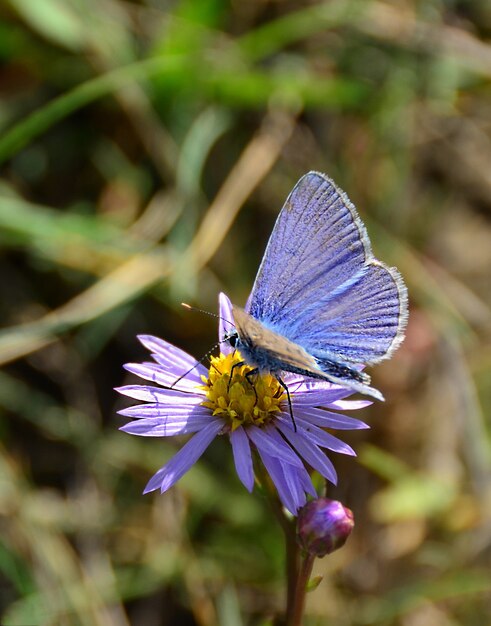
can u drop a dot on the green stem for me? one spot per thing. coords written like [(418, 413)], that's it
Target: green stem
[(288, 527), (292, 565), (39, 121), (294, 616)]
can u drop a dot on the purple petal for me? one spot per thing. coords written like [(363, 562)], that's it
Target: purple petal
[(166, 351), (148, 393), (166, 427), (275, 470), (327, 419), (319, 436), (310, 452), (287, 481), (242, 457), (158, 374), (184, 459), (226, 323), (307, 484), (265, 439), (318, 397), (299, 482), (350, 405), (164, 410)]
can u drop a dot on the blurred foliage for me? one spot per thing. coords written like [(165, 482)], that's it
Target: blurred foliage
[(146, 148)]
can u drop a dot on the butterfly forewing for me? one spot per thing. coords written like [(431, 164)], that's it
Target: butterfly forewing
[(319, 285), (318, 242)]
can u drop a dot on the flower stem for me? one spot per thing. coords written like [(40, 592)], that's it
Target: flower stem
[(291, 546), (292, 567), (294, 615)]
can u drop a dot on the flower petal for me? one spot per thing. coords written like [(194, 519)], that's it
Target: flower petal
[(264, 439), (167, 427), (307, 483), (226, 323), (310, 452), (275, 470), (242, 457), (164, 352), (321, 438), (350, 405), (147, 393), (287, 480), (164, 410), (184, 459), (327, 419), (317, 397), (160, 375)]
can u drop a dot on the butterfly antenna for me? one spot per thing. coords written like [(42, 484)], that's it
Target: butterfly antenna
[(205, 356), (193, 308)]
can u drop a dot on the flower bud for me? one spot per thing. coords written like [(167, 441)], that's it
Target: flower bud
[(323, 526)]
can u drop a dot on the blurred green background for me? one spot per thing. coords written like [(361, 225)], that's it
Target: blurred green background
[(146, 149)]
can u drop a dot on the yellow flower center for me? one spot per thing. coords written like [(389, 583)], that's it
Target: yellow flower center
[(241, 401)]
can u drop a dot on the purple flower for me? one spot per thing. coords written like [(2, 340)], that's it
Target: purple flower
[(323, 526), (256, 418)]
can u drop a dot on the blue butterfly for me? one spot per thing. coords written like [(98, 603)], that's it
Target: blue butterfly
[(321, 306)]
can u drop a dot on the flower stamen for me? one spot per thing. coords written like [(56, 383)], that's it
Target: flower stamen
[(231, 394)]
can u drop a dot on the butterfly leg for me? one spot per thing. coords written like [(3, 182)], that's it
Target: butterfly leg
[(249, 375), (285, 387), (232, 369), (215, 368)]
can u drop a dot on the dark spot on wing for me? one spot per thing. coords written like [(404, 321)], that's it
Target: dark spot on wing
[(339, 370)]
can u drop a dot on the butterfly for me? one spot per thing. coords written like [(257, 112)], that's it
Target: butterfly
[(322, 305)]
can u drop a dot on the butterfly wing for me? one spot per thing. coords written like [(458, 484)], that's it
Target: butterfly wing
[(269, 351), (319, 284)]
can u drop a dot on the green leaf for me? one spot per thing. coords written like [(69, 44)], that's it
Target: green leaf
[(54, 19), (314, 583)]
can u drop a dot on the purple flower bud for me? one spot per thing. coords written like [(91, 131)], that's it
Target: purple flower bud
[(323, 526)]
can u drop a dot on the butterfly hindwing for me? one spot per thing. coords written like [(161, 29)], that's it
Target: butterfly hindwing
[(361, 323), (269, 351)]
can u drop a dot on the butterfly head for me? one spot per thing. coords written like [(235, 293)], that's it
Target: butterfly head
[(232, 338)]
